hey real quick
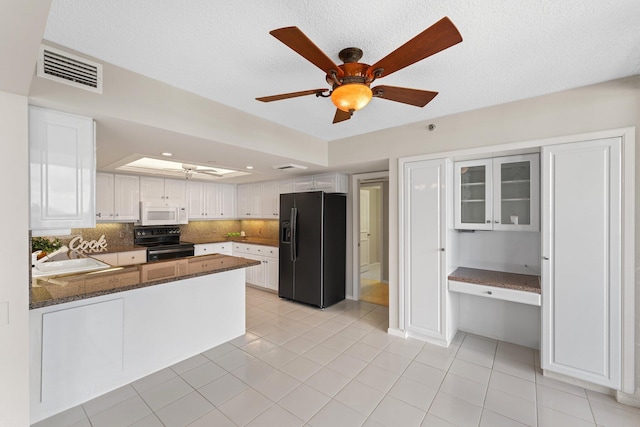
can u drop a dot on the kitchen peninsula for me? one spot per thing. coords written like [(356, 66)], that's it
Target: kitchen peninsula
[(94, 332)]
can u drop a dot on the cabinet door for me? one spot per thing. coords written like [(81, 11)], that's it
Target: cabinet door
[(516, 193), (242, 200), (104, 197), (328, 183), (211, 200), (473, 195), (271, 273), (227, 196), (424, 227), (127, 198), (151, 189), (303, 183), (175, 191), (255, 200), (284, 186), (270, 199), (581, 267), (62, 170), (195, 203)]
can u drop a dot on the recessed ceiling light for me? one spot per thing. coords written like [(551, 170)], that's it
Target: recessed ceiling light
[(167, 154), (249, 167)]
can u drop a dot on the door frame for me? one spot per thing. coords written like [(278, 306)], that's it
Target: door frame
[(356, 180)]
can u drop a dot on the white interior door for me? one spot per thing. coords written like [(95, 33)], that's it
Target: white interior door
[(364, 228)]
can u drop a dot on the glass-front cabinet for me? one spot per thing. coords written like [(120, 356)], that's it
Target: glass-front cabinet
[(502, 193)]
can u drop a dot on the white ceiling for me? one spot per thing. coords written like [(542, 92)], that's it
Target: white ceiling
[(222, 50)]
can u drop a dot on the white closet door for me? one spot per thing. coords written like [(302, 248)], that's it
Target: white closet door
[(424, 233), (581, 267)]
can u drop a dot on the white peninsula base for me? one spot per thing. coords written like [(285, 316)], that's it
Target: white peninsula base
[(80, 350)]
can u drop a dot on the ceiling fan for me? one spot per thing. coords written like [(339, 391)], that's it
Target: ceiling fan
[(350, 82), (189, 170)]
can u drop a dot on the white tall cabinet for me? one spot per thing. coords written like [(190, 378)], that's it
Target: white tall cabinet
[(423, 203), (62, 170), (582, 256)]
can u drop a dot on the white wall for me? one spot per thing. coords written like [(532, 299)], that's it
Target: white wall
[(14, 262)]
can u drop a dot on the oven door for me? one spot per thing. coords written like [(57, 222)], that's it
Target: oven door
[(160, 253)]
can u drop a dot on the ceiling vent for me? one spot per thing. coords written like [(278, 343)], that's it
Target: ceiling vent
[(70, 69), (289, 166)]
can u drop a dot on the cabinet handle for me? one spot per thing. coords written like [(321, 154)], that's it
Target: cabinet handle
[(489, 292), (117, 214), (496, 221), (488, 221), (441, 249), (546, 258), (99, 215)]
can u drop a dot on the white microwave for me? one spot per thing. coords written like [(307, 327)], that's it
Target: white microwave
[(155, 213)]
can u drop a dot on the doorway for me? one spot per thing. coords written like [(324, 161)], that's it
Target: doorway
[(372, 249)]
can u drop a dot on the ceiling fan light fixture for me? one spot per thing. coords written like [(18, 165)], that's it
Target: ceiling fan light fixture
[(351, 96)]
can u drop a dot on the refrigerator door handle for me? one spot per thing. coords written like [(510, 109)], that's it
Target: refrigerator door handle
[(294, 231)]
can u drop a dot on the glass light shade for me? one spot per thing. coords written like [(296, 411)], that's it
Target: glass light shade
[(351, 96)]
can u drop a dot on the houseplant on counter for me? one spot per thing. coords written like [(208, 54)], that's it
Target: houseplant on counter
[(45, 246)]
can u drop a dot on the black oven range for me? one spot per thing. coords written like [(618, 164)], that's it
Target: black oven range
[(162, 242)]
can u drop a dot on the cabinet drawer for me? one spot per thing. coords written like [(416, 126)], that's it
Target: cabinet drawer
[(132, 257), (222, 248), (271, 251), (513, 295), (204, 249)]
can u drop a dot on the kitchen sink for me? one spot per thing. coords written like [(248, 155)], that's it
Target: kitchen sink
[(53, 268)]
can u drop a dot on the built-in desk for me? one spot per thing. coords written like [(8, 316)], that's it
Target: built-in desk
[(521, 288)]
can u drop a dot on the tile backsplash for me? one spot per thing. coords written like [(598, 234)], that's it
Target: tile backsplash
[(121, 234)]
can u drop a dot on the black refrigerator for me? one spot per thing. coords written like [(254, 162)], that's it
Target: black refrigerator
[(313, 230)]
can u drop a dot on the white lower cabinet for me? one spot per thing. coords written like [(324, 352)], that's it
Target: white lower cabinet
[(423, 237), (266, 274), (581, 267)]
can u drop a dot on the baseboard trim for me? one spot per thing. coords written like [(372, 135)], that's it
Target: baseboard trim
[(397, 332)]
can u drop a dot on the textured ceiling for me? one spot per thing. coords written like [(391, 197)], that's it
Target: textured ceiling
[(222, 50)]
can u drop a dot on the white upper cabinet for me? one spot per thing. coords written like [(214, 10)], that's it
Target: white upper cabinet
[(502, 193), (104, 197), (117, 197), (170, 191), (227, 200), (207, 200), (329, 183), (270, 199), (62, 170), (250, 200), (581, 267), (126, 201)]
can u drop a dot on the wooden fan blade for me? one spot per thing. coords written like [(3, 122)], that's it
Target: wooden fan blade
[(416, 97), (291, 95), (298, 41), (440, 36), (341, 116)]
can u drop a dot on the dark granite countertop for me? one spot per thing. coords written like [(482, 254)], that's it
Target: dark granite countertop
[(499, 279), (53, 290)]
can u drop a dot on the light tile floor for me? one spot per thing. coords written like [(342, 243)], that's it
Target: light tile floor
[(300, 366)]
